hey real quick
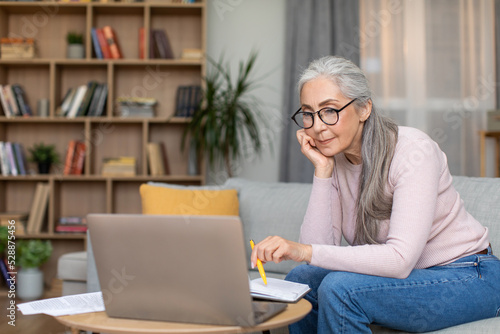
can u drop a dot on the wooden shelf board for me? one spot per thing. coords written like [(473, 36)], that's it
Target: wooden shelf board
[(53, 236)]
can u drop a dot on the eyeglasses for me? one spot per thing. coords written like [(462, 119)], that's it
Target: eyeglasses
[(329, 116)]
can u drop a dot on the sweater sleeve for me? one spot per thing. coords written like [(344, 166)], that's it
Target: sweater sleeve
[(414, 176), (322, 222)]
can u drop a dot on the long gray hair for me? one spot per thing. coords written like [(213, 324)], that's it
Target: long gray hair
[(379, 139)]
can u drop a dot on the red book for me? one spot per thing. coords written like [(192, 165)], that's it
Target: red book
[(141, 43), (110, 36), (71, 228), (78, 159), (70, 152), (106, 54)]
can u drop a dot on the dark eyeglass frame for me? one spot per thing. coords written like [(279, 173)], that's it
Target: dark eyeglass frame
[(319, 114)]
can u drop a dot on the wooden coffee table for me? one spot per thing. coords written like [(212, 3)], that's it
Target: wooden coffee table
[(100, 322)]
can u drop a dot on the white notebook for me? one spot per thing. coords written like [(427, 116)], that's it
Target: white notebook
[(278, 290)]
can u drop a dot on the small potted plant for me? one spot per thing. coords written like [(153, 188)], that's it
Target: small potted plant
[(30, 255), (44, 156), (75, 49)]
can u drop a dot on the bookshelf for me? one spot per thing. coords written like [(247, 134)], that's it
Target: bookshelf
[(51, 74)]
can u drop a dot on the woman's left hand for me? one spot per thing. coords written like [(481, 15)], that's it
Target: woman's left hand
[(277, 249)]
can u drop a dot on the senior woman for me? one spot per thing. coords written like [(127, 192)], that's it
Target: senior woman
[(417, 261)]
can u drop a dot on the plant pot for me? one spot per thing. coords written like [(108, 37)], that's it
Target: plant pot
[(29, 283), (44, 167), (75, 51)]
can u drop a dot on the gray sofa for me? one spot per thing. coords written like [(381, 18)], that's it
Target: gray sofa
[(278, 209)]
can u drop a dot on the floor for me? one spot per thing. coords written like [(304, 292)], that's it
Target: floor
[(30, 324)]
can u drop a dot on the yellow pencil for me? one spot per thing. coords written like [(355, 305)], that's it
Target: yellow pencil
[(259, 265)]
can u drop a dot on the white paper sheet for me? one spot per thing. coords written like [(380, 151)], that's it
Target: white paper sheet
[(66, 305), (277, 289)]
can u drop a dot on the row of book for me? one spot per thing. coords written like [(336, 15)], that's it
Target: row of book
[(84, 100), (13, 101), (75, 157), (17, 48), (12, 159), (71, 224), (188, 100), (38, 208), (105, 43), (136, 107)]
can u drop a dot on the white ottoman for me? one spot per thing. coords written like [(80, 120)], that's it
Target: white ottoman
[(72, 270)]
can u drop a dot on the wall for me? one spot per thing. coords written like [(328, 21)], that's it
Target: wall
[(235, 28)]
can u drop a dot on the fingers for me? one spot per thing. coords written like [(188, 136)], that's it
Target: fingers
[(275, 249)]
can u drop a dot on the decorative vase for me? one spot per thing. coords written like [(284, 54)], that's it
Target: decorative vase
[(44, 167), (75, 51), (29, 283)]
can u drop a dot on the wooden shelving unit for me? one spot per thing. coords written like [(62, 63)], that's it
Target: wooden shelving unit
[(50, 75)]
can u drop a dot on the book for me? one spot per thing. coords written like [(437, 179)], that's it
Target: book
[(11, 158), (3, 101), (20, 158), (162, 44), (78, 159), (95, 43), (87, 98), (9, 96), (192, 54), (35, 205), (95, 100), (101, 104), (21, 100), (66, 102), (106, 53), (188, 99), (112, 40), (19, 218), (121, 166), (278, 290), (4, 162), (44, 201), (68, 161), (77, 101), (71, 228), (155, 159), (142, 42)]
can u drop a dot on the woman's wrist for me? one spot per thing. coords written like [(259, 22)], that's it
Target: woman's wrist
[(323, 172)]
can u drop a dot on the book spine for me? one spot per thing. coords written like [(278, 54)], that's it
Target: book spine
[(102, 101), (69, 157), (3, 159), (95, 42), (21, 100), (142, 42), (10, 156), (74, 229), (165, 42), (5, 105), (112, 40), (10, 100), (106, 54), (79, 158), (19, 158), (77, 101), (162, 52)]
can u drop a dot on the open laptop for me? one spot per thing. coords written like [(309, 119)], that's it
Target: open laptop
[(175, 268)]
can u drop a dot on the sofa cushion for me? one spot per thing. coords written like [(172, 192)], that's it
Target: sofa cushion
[(268, 209), (166, 200), (481, 198)]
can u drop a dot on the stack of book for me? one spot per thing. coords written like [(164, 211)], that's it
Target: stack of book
[(17, 48), (157, 159), (188, 100), (12, 159), (75, 157), (121, 166), (38, 208), (71, 225), (136, 107), (105, 43), (84, 100), (192, 54), (13, 101)]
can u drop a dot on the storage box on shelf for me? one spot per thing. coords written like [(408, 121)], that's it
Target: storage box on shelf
[(50, 75)]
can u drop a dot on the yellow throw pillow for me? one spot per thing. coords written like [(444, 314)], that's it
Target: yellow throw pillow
[(168, 201)]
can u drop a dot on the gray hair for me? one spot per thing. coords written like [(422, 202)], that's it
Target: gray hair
[(379, 138)]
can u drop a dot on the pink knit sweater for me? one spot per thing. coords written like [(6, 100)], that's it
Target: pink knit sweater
[(428, 226)]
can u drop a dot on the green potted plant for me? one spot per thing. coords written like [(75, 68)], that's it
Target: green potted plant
[(44, 156), (30, 255), (228, 116), (75, 49)]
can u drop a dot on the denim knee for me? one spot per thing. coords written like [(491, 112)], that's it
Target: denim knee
[(298, 274)]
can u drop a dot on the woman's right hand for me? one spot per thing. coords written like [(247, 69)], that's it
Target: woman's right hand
[(323, 165)]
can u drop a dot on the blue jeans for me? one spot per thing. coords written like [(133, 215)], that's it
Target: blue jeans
[(428, 299)]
